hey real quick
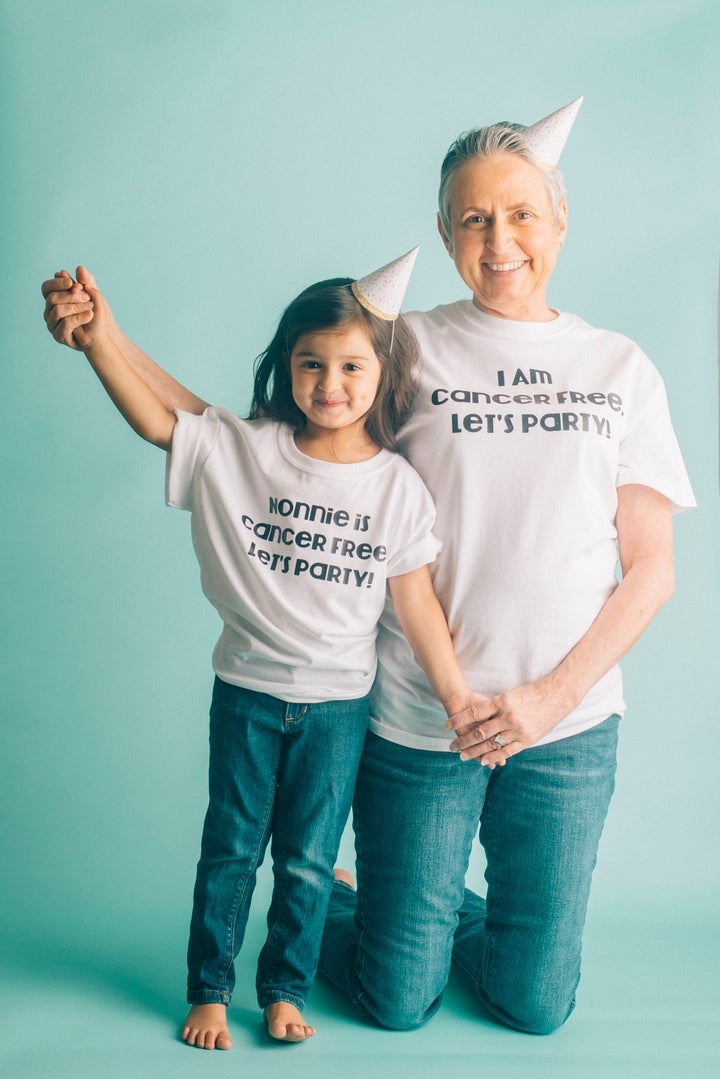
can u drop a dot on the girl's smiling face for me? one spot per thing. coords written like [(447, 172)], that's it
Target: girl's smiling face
[(504, 237), (335, 376)]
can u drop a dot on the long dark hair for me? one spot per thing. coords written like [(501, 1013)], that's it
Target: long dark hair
[(331, 305)]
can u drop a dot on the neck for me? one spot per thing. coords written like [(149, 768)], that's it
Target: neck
[(336, 446), (534, 313)]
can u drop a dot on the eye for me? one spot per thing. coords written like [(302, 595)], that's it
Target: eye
[(309, 365), (353, 367), (524, 215), (476, 219)]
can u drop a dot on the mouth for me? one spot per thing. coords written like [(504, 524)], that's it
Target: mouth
[(321, 403), (505, 267)]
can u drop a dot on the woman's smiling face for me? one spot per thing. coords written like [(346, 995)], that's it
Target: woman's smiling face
[(504, 236)]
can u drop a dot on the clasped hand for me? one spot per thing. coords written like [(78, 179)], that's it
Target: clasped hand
[(72, 306), (492, 729)]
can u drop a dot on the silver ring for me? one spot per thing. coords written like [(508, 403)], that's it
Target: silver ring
[(498, 740)]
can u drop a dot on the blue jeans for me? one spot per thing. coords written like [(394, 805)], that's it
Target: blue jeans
[(415, 815), (279, 769)]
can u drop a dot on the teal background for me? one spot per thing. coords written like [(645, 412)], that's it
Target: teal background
[(207, 160)]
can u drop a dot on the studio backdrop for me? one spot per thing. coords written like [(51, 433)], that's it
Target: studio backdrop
[(207, 160)]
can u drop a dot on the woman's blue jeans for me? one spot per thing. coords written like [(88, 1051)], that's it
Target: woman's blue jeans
[(415, 815), (279, 769)]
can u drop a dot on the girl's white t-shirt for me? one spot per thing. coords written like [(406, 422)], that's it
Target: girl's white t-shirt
[(294, 552), (523, 432)]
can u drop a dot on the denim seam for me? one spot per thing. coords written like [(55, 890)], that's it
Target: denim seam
[(356, 991), (483, 977)]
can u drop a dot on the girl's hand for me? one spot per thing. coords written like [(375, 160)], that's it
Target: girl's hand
[(68, 305), (496, 728)]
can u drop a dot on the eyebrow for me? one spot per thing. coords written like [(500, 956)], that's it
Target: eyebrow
[(515, 206), (317, 356)]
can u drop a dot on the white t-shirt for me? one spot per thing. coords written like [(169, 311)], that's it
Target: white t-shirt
[(294, 553), (522, 433)]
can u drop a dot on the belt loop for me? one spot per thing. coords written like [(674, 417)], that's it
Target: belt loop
[(295, 711)]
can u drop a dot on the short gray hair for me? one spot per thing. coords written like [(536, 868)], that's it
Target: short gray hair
[(482, 142)]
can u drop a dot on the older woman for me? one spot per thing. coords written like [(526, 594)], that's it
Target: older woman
[(548, 448)]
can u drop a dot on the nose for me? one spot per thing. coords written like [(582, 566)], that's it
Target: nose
[(499, 235), (327, 380)]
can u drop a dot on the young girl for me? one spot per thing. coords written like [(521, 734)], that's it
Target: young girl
[(300, 516)]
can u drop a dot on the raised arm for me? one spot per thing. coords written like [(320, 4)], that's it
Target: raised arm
[(525, 714), (68, 307), (423, 623), (133, 398)]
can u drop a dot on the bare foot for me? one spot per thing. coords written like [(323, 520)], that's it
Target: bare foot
[(345, 877), (285, 1022), (206, 1027)]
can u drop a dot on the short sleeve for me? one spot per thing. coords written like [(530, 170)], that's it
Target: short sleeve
[(649, 452), (417, 545), (192, 442)]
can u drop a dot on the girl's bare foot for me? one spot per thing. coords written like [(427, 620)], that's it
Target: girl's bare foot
[(285, 1022), (206, 1027), (345, 877)]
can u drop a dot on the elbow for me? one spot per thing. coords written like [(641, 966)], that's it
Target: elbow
[(669, 586), (159, 439), (655, 583), (665, 585), (158, 433)]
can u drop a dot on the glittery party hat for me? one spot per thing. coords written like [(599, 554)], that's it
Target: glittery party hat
[(547, 137), (382, 292)]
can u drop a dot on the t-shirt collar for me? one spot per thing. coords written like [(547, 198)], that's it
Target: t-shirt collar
[(509, 329)]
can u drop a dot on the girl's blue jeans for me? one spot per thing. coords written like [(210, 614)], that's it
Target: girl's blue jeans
[(286, 771), (415, 816)]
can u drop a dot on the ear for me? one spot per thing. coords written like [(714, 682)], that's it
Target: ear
[(443, 236), (562, 222)]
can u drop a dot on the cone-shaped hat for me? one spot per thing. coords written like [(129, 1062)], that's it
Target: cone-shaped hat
[(547, 137), (383, 291)]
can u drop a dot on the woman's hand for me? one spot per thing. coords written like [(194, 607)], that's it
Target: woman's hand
[(496, 728), (96, 330), (69, 308), (521, 717), (468, 714), (131, 395), (68, 305)]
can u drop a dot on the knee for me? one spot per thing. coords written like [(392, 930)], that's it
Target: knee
[(395, 1003), (535, 994), (401, 1014), (542, 1022), (533, 1016)]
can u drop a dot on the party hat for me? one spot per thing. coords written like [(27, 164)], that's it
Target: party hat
[(382, 292), (547, 137)]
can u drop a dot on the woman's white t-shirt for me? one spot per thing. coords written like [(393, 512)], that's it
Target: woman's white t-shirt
[(523, 432)]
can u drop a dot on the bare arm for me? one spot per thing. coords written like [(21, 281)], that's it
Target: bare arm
[(423, 623), (133, 398), (68, 307), (525, 714)]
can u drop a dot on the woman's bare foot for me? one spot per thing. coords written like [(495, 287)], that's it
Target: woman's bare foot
[(285, 1022), (345, 877), (206, 1027)]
